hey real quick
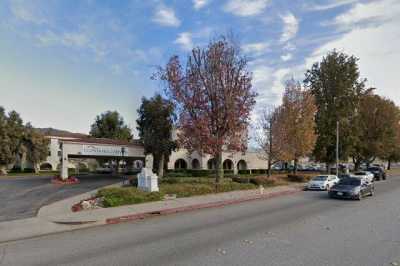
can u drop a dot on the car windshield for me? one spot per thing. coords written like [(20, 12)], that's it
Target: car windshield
[(350, 182), (320, 178)]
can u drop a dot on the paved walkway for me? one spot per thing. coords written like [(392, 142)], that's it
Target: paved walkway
[(58, 217)]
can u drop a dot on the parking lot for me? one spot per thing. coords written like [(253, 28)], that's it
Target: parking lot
[(22, 197)]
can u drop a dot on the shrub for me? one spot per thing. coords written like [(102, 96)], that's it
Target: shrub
[(113, 197), (201, 173), (29, 170), (241, 180), (244, 172), (298, 178), (177, 174), (15, 169), (133, 181)]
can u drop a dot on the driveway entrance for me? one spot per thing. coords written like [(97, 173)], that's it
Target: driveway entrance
[(22, 197)]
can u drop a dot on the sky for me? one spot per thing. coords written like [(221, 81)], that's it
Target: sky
[(62, 62)]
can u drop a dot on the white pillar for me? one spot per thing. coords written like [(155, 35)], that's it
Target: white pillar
[(64, 164), (235, 169)]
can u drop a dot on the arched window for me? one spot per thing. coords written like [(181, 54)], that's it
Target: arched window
[(212, 164), (180, 164), (46, 167), (228, 164), (195, 164), (242, 165), (138, 164)]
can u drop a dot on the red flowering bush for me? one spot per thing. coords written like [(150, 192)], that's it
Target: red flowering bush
[(69, 181)]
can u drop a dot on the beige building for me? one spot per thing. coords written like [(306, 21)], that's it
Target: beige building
[(75, 149), (182, 159)]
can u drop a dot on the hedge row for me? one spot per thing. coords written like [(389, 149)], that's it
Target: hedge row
[(195, 173), (211, 173)]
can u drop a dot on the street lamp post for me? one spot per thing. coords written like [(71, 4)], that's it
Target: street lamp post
[(337, 148)]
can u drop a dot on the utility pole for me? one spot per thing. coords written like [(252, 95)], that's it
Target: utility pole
[(337, 148)]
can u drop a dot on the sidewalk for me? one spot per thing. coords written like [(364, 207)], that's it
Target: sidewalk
[(58, 217)]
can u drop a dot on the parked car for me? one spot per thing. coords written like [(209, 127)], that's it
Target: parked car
[(368, 176), (352, 188), (378, 172), (322, 182)]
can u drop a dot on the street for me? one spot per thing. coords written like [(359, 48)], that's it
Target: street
[(307, 228), (22, 197)]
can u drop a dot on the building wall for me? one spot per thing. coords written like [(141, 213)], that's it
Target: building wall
[(253, 160)]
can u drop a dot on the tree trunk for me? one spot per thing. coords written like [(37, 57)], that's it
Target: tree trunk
[(269, 167), (36, 167), (296, 161), (220, 169), (270, 148), (161, 166), (3, 170), (389, 167), (328, 168)]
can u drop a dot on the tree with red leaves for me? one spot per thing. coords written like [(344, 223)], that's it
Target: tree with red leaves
[(214, 97)]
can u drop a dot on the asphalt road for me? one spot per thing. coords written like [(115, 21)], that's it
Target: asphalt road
[(22, 197), (303, 229)]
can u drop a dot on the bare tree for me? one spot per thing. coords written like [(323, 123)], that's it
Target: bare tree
[(214, 98), (268, 136)]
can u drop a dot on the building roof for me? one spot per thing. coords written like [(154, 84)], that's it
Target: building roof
[(105, 141)]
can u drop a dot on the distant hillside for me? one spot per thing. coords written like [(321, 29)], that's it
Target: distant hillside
[(60, 133)]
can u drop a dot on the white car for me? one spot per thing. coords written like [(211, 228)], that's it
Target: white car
[(322, 182), (367, 176)]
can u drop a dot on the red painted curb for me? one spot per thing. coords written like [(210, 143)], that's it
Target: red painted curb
[(140, 216)]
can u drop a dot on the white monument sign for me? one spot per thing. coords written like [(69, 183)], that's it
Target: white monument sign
[(147, 180)]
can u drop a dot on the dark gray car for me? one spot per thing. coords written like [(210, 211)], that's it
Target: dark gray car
[(352, 188)]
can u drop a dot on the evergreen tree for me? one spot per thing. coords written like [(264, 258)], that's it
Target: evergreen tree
[(35, 145), (336, 85), (111, 125), (155, 123)]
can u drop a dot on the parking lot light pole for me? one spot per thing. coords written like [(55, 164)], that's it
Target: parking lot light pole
[(337, 148)]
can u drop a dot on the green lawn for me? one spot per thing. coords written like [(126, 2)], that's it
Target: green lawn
[(183, 187)]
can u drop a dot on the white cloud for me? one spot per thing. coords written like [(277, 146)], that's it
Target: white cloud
[(198, 4), (75, 39), (165, 16), (246, 8), (290, 27), (255, 49), (185, 41), (330, 5), (377, 45), (26, 11), (69, 39), (368, 13), (286, 57)]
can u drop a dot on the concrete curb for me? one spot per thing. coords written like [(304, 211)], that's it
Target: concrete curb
[(144, 215)]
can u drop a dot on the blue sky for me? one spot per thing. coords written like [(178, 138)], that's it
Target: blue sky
[(64, 62)]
